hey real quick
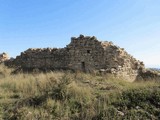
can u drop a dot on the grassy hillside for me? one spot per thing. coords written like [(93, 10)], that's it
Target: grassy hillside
[(76, 96)]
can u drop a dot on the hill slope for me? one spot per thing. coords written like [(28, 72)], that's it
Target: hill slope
[(76, 96)]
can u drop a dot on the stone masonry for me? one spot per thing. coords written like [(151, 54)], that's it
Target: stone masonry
[(84, 53)]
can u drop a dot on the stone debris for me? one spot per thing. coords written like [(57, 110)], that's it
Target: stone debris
[(4, 57), (84, 53), (120, 113)]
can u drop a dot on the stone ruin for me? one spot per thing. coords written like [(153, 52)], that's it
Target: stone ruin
[(4, 57), (84, 53)]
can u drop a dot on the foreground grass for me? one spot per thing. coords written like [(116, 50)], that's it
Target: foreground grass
[(76, 96)]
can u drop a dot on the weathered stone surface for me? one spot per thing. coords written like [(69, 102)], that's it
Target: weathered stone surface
[(84, 53), (4, 57)]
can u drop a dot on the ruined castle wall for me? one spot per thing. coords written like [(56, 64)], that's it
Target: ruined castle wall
[(86, 53), (43, 58)]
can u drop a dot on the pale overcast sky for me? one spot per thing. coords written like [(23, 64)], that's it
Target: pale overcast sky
[(131, 24)]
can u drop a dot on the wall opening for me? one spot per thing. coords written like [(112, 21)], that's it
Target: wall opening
[(88, 51), (83, 66)]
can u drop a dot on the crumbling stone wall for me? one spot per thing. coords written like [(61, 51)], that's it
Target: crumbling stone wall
[(119, 62), (88, 54), (46, 58), (84, 53)]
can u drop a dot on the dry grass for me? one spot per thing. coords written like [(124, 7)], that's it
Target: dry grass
[(63, 95)]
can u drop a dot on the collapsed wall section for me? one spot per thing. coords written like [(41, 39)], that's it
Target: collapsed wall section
[(118, 61)]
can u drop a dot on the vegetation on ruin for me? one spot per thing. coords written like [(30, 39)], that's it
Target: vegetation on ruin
[(76, 96)]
